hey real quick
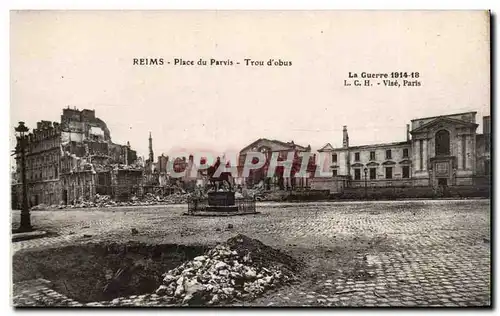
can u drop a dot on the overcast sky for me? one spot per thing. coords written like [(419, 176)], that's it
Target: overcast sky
[(85, 60)]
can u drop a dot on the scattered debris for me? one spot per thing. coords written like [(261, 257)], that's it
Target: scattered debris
[(242, 268), (106, 201), (39, 207)]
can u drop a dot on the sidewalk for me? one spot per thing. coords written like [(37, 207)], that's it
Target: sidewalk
[(28, 235)]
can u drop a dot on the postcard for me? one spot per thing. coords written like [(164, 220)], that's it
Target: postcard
[(182, 159)]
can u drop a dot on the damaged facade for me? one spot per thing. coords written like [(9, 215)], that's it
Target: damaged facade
[(158, 179), (258, 177), (75, 159)]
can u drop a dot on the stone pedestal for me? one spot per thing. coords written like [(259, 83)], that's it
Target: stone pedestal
[(221, 202)]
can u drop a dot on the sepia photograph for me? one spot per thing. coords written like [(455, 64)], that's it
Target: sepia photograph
[(218, 158)]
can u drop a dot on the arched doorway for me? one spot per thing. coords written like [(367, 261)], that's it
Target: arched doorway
[(442, 143)]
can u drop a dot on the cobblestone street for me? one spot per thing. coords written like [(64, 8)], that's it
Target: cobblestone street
[(404, 253)]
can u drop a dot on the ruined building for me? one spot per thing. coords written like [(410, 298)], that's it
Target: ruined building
[(280, 180), (75, 159), (158, 177)]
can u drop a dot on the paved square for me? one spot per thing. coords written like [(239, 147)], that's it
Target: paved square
[(404, 253)]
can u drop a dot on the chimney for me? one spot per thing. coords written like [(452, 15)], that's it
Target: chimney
[(345, 139), (151, 155), (407, 132)]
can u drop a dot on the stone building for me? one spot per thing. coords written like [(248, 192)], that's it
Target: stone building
[(483, 152), (43, 154), (162, 169), (75, 159), (438, 151), (279, 180), (192, 174)]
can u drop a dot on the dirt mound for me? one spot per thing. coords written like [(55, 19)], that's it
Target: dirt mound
[(241, 268), (261, 254)]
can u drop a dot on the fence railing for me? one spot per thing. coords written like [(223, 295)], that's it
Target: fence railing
[(197, 204), (245, 205)]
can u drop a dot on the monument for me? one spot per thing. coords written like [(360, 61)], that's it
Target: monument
[(221, 200)]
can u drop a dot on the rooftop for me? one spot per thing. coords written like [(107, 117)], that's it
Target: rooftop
[(393, 144), (453, 114)]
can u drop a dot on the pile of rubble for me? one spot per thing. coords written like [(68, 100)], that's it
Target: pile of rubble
[(40, 207), (180, 197), (103, 200), (176, 198), (99, 201), (107, 201), (240, 269)]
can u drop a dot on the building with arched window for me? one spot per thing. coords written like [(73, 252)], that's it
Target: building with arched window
[(438, 151), (445, 150), (280, 179)]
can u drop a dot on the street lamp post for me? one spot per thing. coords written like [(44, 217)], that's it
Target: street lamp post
[(21, 129), (366, 171)]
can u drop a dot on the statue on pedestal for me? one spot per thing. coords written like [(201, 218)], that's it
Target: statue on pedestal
[(224, 178)]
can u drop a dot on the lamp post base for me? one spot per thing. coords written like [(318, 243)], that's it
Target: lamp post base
[(25, 222)]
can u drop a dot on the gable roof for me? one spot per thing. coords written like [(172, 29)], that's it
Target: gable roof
[(327, 147), (438, 116), (288, 145), (440, 119)]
